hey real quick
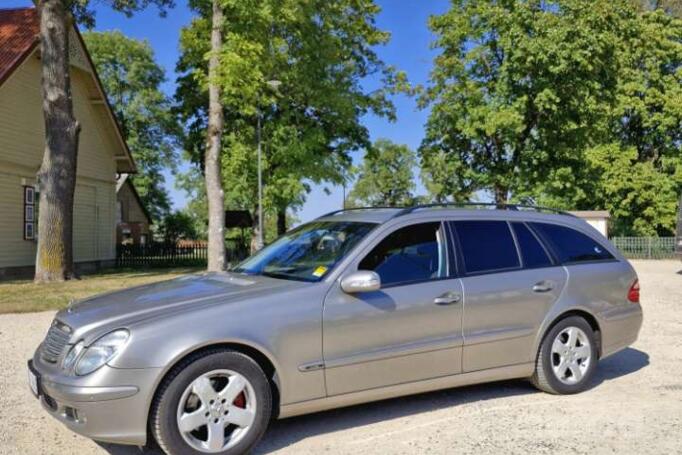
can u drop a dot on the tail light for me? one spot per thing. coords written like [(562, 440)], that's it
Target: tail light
[(633, 293)]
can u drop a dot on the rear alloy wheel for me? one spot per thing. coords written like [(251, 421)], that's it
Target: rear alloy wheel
[(567, 357), (218, 402)]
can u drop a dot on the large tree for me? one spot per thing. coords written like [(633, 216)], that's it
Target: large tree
[(212, 158), (385, 177), (57, 174), (635, 170), (515, 87), (132, 81), (319, 52)]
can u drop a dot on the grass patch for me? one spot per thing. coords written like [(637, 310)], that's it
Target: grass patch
[(25, 296)]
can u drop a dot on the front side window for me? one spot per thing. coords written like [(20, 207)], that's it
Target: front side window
[(532, 251), (308, 252), (487, 246), (410, 254), (571, 246)]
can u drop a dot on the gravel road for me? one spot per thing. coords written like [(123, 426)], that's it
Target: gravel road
[(634, 407)]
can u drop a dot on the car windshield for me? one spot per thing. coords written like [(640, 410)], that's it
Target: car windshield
[(308, 252)]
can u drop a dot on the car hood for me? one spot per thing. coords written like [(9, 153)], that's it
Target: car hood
[(187, 293)]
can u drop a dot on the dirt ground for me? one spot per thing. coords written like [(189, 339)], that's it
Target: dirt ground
[(634, 406)]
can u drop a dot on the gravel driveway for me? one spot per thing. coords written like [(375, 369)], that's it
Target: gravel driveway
[(635, 405)]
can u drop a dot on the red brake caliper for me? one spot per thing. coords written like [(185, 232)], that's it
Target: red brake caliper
[(240, 401)]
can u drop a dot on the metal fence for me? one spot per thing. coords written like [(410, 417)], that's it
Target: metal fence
[(163, 254), (646, 247)]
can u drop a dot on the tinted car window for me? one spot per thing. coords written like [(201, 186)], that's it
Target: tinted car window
[(532, 251), (412, 253), (486, 246), (571, 245)]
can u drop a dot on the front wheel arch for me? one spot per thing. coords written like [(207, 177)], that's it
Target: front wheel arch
[(257, 356)]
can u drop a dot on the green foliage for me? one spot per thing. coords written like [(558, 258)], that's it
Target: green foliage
[(639, 200), (635, 170), (516, 86), (178, 225), (385, 177), (569, 103), (197, 205), (319, 51), (132, 81)]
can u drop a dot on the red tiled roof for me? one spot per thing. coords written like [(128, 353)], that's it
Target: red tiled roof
[(19, 29)]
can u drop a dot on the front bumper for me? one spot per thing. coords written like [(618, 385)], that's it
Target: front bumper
[(110, 405)]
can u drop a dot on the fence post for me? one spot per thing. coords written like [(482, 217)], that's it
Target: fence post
[(648, 256)]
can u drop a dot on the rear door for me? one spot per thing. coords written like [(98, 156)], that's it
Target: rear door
[(509, 282)]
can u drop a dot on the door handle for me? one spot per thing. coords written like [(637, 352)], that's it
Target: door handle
[(447, 299), (543, 286)]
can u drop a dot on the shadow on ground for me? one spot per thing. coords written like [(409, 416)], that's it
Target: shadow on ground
[(286, 432)]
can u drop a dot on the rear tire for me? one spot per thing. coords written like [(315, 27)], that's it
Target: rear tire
[(567, 357), (200, 391)]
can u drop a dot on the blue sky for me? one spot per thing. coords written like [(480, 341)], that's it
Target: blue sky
[(408, 50)]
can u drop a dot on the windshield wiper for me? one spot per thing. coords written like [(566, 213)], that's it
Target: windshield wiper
[(285, 276)]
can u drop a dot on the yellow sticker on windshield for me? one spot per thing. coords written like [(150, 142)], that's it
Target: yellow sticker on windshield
[(321, 270)]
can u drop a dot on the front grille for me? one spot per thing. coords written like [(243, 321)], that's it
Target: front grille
[(55, 341)]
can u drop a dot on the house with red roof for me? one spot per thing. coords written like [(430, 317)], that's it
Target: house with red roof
[(102, 155)]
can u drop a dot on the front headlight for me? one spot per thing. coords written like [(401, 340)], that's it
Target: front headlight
[(101, 351), (72, 356)]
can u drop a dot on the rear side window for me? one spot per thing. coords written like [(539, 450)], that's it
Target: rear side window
[(486, 246), (532, 251), (570, 245)]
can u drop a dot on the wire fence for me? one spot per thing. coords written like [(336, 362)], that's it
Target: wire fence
[(646, 247)]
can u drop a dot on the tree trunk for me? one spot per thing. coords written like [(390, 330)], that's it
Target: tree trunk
[(214, 188), (57, 175), (281, 221), (501, 194)]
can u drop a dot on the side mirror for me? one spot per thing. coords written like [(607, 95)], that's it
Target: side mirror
[(361, 281)]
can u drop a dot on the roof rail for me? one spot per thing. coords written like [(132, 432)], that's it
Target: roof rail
[(406, 210), (502, 206), (350, 209)]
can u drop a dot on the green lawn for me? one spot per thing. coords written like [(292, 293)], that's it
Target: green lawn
[(25, 296)]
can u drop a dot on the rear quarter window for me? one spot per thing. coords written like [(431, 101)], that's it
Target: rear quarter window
[(571, 246), (532, 251)]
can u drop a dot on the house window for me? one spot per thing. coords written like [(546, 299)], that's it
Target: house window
[(30, 213), (119, 212)]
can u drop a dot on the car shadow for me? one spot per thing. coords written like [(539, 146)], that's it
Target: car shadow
[(283, 433)]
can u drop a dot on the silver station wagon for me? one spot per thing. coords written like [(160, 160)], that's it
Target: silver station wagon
[(356, 306)]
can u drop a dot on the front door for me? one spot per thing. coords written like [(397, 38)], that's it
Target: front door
[(510, 282), (409, 330)]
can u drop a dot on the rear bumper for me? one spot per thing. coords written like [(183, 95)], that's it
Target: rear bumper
[(620, 328), (115, 413)]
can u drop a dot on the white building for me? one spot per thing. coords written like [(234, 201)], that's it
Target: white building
[(598, 219)]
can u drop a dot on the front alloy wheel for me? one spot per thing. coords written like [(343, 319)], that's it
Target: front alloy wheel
[(215, 402), (216, 411)]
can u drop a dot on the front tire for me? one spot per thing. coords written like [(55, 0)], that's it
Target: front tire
[(216, 402), (567, 357)]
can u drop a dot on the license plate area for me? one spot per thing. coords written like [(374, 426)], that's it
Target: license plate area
[(33, 380)]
